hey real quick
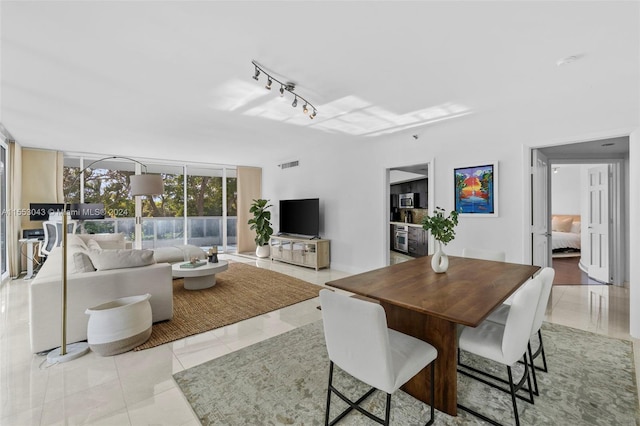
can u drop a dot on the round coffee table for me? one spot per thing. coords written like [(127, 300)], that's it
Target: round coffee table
[(201, 277)]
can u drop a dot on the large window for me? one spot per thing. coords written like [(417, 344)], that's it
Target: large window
[(191, 210)]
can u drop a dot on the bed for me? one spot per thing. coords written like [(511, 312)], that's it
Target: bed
[(565, 233)]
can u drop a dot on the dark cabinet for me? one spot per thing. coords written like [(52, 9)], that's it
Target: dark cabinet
[(419, 186), (418, 241)]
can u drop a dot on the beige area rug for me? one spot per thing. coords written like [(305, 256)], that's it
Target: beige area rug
[(241, 292)]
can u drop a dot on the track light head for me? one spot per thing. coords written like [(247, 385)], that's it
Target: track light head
[(284, 86)]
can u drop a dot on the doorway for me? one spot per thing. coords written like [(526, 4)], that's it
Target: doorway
[(409, 193), (570, 242), (612, 251)]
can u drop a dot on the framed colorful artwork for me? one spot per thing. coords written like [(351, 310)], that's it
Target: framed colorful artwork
[(476, 190)]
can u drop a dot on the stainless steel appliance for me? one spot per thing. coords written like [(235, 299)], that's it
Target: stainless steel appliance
[(401, 238), (408, 201)]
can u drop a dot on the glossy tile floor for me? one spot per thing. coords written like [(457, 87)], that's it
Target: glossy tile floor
[(137, 388)]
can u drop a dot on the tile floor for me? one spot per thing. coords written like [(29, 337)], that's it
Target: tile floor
[(137, 388)]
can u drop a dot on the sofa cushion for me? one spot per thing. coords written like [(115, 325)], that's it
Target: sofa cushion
[(120, 258), (168, 255), (190, 251), (93, 245), (74, 240), (176, 254), (106, 241)]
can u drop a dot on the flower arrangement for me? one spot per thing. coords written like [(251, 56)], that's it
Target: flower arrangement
[(442, 228)]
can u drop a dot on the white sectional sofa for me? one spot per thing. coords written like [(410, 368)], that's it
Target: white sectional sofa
[(87, 287)]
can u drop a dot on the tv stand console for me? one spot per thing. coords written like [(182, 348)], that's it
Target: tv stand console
[(301, 251)]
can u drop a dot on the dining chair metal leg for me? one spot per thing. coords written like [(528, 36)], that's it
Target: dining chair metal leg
[(356, 405), (352, 405), (539, 352), (513, 391), (533, 371), (499, 379)]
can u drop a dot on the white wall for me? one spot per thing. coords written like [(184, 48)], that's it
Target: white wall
[(349, 176), (566, 193)]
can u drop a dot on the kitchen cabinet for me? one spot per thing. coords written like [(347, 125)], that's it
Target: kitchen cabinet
[(418, 241), (420, 186)]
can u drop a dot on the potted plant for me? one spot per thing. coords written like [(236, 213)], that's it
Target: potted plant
[(261, 223), (443, 230)]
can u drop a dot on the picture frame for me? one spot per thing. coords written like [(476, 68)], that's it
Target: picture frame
[(476, 190)]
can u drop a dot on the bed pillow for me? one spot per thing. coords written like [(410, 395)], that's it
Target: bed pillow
[(575, 228), (561, 224), (104, 260)]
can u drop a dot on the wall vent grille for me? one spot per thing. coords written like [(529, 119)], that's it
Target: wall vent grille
[(289, 164)]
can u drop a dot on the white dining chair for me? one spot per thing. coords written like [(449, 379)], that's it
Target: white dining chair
[(360, 343), (498, 256), (502, 312), (504, 344)]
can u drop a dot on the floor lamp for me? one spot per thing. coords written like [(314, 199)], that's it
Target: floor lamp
[(143, 184)]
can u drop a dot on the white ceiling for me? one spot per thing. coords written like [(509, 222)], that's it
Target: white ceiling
[(173, 79)]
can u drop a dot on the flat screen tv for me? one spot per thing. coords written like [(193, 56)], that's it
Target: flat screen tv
[(40, 211), (300, 217)]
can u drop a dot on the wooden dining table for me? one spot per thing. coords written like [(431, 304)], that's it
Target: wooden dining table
[(431, 306)]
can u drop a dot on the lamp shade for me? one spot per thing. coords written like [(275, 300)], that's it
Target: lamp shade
[(146, 185)]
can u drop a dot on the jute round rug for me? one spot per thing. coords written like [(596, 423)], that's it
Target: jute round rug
[(241, 292)]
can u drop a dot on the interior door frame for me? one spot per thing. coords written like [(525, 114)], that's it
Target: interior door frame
[(617, 245), (387, 202)]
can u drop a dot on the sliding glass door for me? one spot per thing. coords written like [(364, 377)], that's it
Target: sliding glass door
[(198, 206)]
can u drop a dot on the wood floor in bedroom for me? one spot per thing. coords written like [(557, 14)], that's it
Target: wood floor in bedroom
[(568, 272)]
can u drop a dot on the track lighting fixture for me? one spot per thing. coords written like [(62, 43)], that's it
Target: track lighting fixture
[(288, 86)]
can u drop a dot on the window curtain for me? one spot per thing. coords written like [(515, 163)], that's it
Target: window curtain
[(14, 201), (249, 188)]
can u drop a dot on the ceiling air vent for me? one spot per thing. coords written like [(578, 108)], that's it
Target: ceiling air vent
[(289, 164)]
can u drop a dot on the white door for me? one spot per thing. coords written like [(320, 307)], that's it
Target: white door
[(598, 223), (541, 237)]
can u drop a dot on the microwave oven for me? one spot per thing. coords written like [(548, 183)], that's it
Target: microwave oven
[(408, 201)]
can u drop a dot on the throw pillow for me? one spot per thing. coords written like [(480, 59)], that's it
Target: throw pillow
[(93, 245), (82, 263), (74, 240), (104, 260)]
